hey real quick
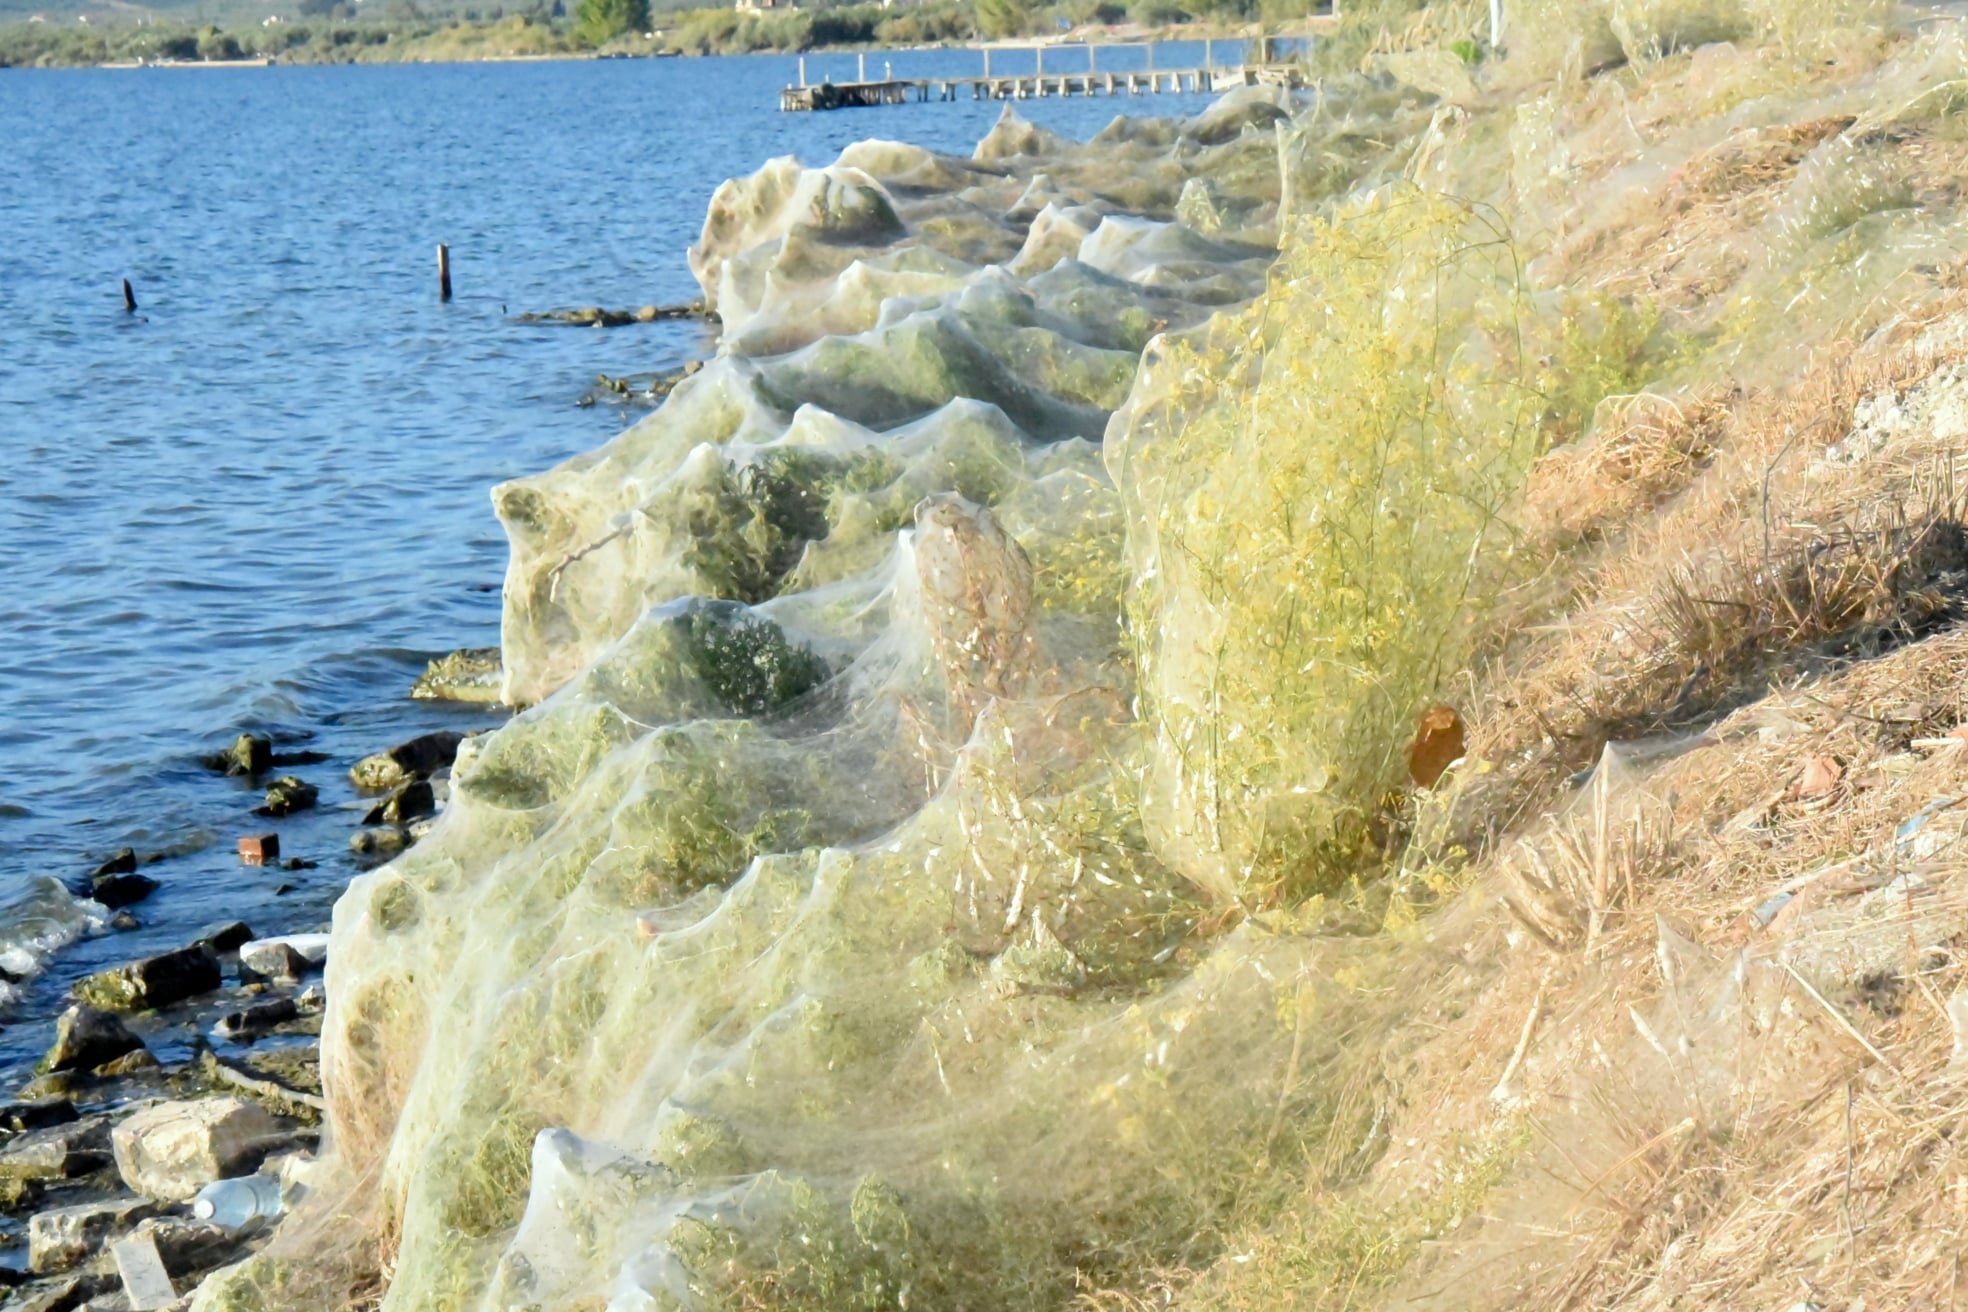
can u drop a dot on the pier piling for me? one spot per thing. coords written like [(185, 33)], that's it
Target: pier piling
[(129, 298), (443, 272)]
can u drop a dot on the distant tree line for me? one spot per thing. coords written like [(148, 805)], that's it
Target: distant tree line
[(333, 31)]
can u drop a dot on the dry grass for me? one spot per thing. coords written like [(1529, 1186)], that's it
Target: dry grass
[(1563, 882), (1766, 565), (1644, 450), (1715, 1130)]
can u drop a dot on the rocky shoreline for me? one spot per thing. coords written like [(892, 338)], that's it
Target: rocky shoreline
[(104, 1151)]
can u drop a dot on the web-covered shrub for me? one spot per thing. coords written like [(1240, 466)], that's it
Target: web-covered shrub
[(1314, 488)]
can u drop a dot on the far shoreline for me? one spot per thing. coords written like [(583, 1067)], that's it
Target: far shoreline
[(469, 43)]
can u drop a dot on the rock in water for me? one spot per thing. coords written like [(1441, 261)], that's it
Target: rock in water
[(114, 892), (86, 1038), (471, 675), (228, 936), (287, 795), (249, 1023), (249, 755), (173, 1149), (69, 1236), (976, 584), (123, 863), (412, 801), (130, 1063), (286, 958), (153, 982), (381, 841), (407, 761)]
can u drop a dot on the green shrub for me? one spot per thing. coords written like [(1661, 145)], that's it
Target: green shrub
[(1002, 18), (214, 44), (1157, 13), (927, 26), (843, 27), (598, 22)]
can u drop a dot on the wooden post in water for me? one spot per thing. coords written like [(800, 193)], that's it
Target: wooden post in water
[(1090, 67), (861, 67), (1151, 56), (987, 63), (802, 70), (443, 272), (1041, 54), (1209, 56), (129, 298)]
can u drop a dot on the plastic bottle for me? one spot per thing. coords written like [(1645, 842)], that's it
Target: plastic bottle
[(236, 1204)]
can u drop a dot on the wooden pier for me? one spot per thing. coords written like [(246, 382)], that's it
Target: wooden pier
[(1040, 84)]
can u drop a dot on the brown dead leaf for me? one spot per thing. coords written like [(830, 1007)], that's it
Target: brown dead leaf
[(1439, 743)]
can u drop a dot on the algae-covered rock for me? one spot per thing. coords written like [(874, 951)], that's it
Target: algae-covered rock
[(85, 1038), (471, 674), (381, 841), (153, 982), (406, 802), (250, 755), (406, 761), (286, 795)]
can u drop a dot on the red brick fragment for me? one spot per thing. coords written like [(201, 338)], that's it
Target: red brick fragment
[(259, 849)]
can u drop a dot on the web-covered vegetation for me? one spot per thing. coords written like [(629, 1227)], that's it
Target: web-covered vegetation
[(959, 852)]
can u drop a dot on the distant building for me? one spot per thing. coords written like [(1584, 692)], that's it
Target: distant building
[(756, 6)]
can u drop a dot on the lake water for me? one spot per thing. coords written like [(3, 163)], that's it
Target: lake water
[(260, 502)]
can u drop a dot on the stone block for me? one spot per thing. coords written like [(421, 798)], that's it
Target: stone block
[(171, 1150), (66, 1237), (58, 1152)]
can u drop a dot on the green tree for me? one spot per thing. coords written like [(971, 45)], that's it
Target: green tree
[(1001, 18), (598, 22)]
